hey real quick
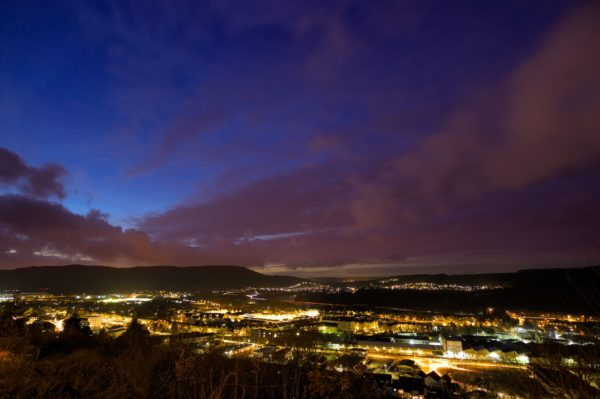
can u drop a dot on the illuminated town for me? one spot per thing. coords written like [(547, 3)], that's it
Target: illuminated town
[(299, 199), (410, 354)]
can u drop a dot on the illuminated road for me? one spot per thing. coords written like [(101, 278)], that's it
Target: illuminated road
[(429, 363)]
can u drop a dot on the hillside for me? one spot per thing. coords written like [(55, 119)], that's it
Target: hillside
[(103, 279), (575, 290)]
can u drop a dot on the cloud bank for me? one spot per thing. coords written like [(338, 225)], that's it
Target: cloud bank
[(506, 178)]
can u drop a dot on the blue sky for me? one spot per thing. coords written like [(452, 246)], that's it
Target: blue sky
[(160, 110)]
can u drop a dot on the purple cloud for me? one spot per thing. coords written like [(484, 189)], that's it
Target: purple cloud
[(42, 182), (325, 165)]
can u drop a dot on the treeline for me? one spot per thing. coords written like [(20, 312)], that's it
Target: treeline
[(36, 362)]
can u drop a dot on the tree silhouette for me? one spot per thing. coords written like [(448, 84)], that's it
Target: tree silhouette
[(136, 337), (10, 324), (74, 326)]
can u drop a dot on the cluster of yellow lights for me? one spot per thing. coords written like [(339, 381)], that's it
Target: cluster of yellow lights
[(282, 316), (6, 298), (132, 298)]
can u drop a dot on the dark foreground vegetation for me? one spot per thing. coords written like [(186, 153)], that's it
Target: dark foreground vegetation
[(37, 362)]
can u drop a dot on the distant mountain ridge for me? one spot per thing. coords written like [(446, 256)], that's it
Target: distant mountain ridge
[(505, 279), (575, 290), (105, 279)]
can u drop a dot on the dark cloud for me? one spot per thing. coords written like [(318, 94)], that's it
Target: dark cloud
[(307, 69), (301, 219), (42, 182), (12, 167), (306, 199), (540, 123), (340, 152), (45, 182), (36, 231), (512, 170)]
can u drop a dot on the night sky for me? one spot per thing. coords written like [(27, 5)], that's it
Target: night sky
[(301, 137)]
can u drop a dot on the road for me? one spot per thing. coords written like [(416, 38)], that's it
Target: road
[(432, 363)]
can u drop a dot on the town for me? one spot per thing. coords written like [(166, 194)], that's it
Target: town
[(409, 354)]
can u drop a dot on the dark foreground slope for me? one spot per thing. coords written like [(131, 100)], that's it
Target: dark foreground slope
[(563, 290), (103, 279)]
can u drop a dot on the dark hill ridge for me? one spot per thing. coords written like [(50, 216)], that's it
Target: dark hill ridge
[(571, 290), (104, 279)]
